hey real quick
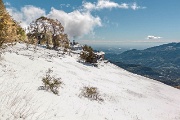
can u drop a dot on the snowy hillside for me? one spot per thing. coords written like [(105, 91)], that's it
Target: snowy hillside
[(126, 96)]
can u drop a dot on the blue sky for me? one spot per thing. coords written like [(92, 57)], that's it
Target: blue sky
[(106, 21)]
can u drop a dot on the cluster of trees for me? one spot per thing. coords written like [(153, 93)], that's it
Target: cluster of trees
[(43, 31)]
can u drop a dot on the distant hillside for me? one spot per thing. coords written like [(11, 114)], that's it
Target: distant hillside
[(161, 62)]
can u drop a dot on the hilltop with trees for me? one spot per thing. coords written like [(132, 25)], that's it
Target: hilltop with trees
[(41, 31)]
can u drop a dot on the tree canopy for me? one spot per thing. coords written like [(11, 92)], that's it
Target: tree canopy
[(49, 30)]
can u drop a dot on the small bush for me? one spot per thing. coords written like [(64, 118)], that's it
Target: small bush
[(51, 83), (91, 93), (88, 55)]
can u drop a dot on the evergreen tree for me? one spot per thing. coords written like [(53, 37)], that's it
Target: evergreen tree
[(10, 31), (2, 8), (88, 55)]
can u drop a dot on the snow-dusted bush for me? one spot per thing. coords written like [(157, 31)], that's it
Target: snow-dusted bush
[(91, 93), (51, 83), (88, 55)]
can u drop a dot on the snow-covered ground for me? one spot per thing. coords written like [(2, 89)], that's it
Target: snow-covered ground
[(126, 96)]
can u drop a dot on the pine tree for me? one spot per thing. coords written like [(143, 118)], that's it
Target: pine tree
[(1, 6), (10, 31), (88, 55), (2, 25)]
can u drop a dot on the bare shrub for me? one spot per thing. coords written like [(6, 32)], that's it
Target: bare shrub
[(16, 104), (91, 93), (19, 103), (50, 83)]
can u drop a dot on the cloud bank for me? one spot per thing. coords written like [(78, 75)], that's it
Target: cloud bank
[(77, 23), (153, 37)]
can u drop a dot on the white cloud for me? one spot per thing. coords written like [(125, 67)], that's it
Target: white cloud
[(76, 23), (27, 14), (88, 6), (153, 37), (134, 6), (107, 4)]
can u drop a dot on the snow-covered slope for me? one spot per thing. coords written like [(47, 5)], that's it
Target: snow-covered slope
[(126, 96)]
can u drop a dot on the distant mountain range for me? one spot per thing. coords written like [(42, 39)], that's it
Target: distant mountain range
[(161, 63)]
